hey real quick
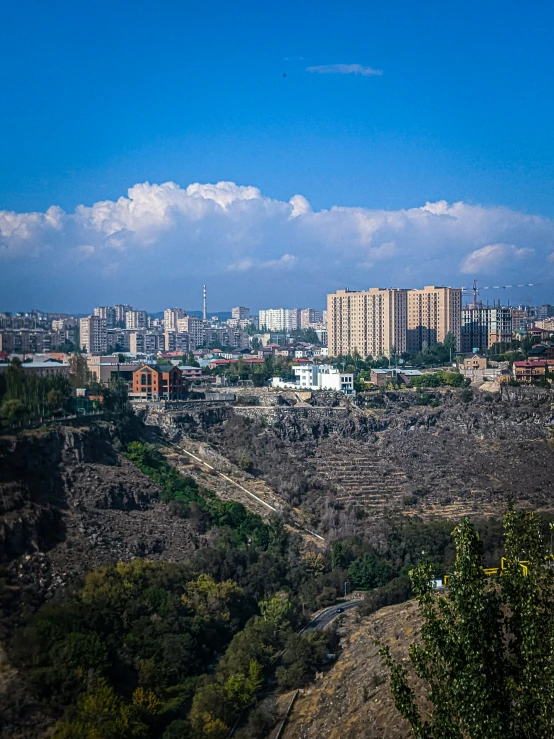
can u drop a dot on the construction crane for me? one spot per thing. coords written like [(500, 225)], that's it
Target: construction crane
[(475, 290)]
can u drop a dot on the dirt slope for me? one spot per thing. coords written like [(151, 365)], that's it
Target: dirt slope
[(352, 700)]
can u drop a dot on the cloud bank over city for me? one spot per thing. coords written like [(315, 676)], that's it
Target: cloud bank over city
[(158, 244)]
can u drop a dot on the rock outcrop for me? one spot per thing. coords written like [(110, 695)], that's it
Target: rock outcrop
[(69, 501)]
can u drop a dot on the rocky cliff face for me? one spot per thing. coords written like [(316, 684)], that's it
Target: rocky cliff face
[(69, 501), (446, 453)]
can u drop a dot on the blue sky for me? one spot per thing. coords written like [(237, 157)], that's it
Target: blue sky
[(99, 97)]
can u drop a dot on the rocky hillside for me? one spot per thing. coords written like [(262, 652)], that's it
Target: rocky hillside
[(69, 501), (437, 453)]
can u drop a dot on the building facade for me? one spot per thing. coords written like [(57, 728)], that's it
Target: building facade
[(533, 370), (171, 316), (107, 313), (93, 334), (240, 313), (483, 326), (157, 383), (176, 342), (121, 310), (309, 317), (433, 313), (146, 342), (136, 319), (194, 327), (369, 322), (318, 377), (279, 319), (27, 341)]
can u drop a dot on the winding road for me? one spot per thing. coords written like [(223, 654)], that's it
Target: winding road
[(324, 618)]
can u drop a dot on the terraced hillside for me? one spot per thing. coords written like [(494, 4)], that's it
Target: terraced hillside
[(359, 475)]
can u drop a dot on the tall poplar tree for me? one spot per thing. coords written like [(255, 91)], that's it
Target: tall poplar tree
[(486, 654)]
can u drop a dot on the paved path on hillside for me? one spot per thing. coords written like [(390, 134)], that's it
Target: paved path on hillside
[(324, 618)]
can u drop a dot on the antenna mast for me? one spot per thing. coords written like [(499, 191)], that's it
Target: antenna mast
[(205, 305)]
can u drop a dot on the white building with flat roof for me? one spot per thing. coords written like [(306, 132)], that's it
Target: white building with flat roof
[(317, 377)]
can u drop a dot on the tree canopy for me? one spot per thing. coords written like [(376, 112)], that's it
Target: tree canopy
[(486, 654)]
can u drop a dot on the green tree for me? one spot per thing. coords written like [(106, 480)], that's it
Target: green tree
[(277, 611), (101, 714), (487, 646), (79, 374), (337, 556), (449, 343), (370, 571), (12, 410)]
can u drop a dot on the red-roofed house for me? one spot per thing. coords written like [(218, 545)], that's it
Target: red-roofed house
[(219, 363), (533, 371), (253, 360)]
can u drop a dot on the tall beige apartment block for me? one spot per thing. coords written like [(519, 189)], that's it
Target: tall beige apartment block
[(432, 313), (171, 316), (369, 322), (93, 334)]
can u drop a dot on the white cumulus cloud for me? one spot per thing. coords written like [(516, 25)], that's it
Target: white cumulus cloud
[(160, 241), (493, 257)]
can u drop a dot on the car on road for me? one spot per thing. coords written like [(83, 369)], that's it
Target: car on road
[(340, 610)]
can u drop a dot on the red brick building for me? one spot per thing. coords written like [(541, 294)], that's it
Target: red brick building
[(162, 382)]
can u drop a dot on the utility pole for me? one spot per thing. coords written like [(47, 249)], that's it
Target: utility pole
[(345, 584)]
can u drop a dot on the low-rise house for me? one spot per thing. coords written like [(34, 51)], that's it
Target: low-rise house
[(533, 370), (475, 362), (381, 377), (406, 375), (544, 350), (538, 333), (106, 368), (215, 363), (190, 372), (253, 360), (45, 369)]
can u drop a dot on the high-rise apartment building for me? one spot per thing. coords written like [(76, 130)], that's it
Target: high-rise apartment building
[(432, 313), (279, 319), (171, 316), (545, 311), (146, 342), (136, 319), (121, 311), (176, 342), (93, 334), (119, 339), (370, 322), (106, 312), (309, 317), (240, 313), (483, 326), (21, 341), (522, 318), (194, 327)]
